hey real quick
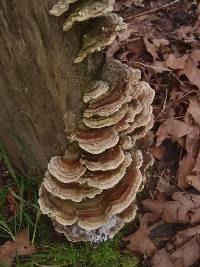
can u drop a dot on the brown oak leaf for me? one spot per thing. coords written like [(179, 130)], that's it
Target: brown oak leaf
[(171, 128), (191, 69), (21, 246), (183, 208), (140, 242), (176, 63), (194, 109)]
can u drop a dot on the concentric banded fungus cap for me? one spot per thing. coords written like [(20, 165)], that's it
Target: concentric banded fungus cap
[(104, 31), (73, 191), (122, 125), (56, 208), (88, 9), (61, 7), (129, 213), (147, 93), (108, 160), (75, 233), (66, 170), (97, 141), (107, 179), (93, 213), (100, 122), (94, 90), (109, 103), (106, 104), (141, 119), (133, 109)]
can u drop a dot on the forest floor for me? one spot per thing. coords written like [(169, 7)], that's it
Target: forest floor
[(163, 40)]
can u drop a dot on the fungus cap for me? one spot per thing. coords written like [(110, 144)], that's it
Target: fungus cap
[(61, 7), (73, 191), (97, 141), (94, 90), (88, 9), (66, 170), (92, 213), (108, 160)]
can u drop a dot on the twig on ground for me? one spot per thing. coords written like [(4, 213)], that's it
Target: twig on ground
[(148, 66), (171, 104), (165, 100), (153, 10)]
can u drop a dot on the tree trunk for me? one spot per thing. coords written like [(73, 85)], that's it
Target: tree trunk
[(39, 82)]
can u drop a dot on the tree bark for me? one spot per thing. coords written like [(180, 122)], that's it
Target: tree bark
[(38, 82)]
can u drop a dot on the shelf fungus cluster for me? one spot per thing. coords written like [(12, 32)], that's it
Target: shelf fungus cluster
[(89, 193)]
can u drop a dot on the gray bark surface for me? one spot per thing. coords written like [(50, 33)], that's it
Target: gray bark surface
[(38, 82)]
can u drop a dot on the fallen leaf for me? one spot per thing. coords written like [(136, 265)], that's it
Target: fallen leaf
[(162, 259), (158, 152), (112, 49), (136, 48), (124, 34), (193, 180), (127, 3), (195, 216), (162, 42), (176, 94), (140, 242), (186, 234), (176, 63), (197, 164), (191, 69), (7, 253), (184, 31), (171, 128), (180, 209), (21, 246), (184, 256), (22, 243), (158, 66), (138, 3), (192, 140), (198, 11), (163, 185), (149, 218), (186, 166), (194, 109), (119, 4), (151, 48), (188, 253)]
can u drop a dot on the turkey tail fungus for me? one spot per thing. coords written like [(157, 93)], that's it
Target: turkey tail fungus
[(89, 193)]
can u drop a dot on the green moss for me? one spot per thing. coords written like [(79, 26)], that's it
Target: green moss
[(107, 254)]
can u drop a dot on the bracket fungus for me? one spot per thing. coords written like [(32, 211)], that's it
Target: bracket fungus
[(103, 33), (87, 9), (89, 193), (108, 160), (61, 7), (94, 90)]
